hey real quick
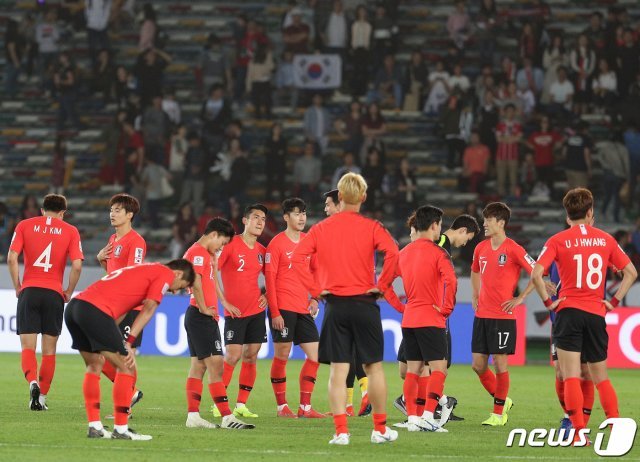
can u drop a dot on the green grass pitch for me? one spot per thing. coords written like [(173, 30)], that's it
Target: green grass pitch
[(60, 433)]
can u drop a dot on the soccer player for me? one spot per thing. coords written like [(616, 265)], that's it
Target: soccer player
[(344, 246), (125, 248), (331, 207), (240, 265), (201, 324), (92, 319), (582, 254), (430, 284), (291, 312), (495, 271), (463, 229), (45, 242)]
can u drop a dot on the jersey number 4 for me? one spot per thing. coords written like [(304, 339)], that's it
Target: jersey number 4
[(594, 265), (43, 261)]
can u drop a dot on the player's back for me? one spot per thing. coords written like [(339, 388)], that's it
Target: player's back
[(46, 242)]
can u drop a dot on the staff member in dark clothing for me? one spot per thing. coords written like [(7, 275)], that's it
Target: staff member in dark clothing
[(344, 246)]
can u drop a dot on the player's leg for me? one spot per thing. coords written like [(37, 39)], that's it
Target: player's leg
[(281, 351), (410, 391), (308, 375), (596, 344), (338, 397), (435, 389), (480, 355), (194, 394), (351, 379), (91, 392), (423, 385), (247, 379), (29, 364), (363, 381), (47, 366), (232, 355), (606, 392), (399, 402), (51, 312), (501, 402), (234, 329), (125, 327), (574, 400), (218, 393), (588, 391)]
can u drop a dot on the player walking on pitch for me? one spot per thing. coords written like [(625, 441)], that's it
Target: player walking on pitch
[(45, 243)]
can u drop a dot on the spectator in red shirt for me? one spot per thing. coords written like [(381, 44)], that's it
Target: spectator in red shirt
[(543, 142), (296, 35), (475, 162), (508, 134)]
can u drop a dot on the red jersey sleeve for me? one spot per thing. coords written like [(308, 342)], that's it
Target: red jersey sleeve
[(75, 248), (618, 258), (548, 254), (137, 252), (523, 258), (307, 247), (475, 266), (385, 243), (159, 285), (17, 241), (271, 262), (448, 276)]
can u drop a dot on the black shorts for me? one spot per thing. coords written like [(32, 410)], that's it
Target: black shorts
[(298, 328), (203, 334), (578, 330), (40, 311), (92, 330), (242, 331), (125, 327), (351, 324), (554, 351), (402, 357), (425, 343), (494, 336)]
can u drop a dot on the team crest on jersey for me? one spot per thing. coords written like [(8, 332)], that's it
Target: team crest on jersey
[(502, 259), (230, 334), (267, 258), (285, 332), (198, 261), (218, 346), (260, 258), (138, 256), (117, 251)]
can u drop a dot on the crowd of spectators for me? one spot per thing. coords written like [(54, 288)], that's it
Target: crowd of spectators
[(518, 117)]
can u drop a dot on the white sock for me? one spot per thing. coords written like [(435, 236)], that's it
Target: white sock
[(121, 428), (403, 397), (239, 405), (42, 399), (427, 415), (97, 425), (414, 419), (443, 400), (193, 414), (566, 416), (305, 407), (282, 406)]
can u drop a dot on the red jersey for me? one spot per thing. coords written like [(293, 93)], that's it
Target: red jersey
[(203, 264), (127, 288), (129, 250), (582, 254), (240, 267), (499, 274), (344, 246), (46, 242), (284, 289), (543, 144), (508, 151), (429, 279)]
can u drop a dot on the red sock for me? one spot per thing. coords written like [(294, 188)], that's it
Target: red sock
[(122, 391), (308, 375), (246, 382), (194, 394), (227, 373), (560, 393), (29, 365), (91, 392), (488, 381), (47, 369), (588, 396), (380, 423), (219, 394), (608, 399), (434, 392), (340, 422), (421, 400), (279, 380), (502, 390), (410, 389), (574, 401), (109, 370)]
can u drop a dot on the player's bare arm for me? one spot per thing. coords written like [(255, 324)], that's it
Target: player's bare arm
[(509, 305), (475, 289), (232, 310), (198, 294), (540, 286), (629, 276), (14, 270), (74, 277)]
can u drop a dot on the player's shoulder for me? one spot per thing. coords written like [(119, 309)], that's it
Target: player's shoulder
[(260, 248), (137, 238), (513, 245), (482, 245)]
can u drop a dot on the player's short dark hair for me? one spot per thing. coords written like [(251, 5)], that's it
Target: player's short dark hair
[(289, 205), (180, 264), (250, 208), (497, 210), (54, 203), (127, 201), (466, 221), (425, 216), (333, 194), (510, 106), (577, 202), (221, 226)]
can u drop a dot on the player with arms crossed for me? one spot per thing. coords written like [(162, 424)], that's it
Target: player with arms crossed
[(201, 324), (240, 265), (344, 246), (92, 319), (45, 243), (125, 248), (291, 312), (495, 271), (331, 207), (582, 254)]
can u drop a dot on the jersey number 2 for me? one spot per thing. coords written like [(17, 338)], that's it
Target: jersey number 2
[(43, 261)]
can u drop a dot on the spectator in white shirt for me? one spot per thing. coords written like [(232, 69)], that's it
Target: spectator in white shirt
[(458, 83), (336, 32), (171, 107), (561, 94), (605, 86), (97, 13), (47, 37), (360, 48), (317, 124), (438, 89)]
